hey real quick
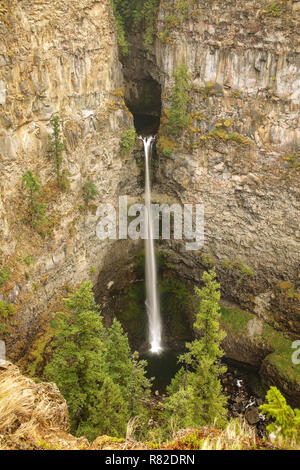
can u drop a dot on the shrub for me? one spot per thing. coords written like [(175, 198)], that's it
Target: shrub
[(93, 270), (177, 117), (132, 12), (128, 139), (90, 191), (6, 311), (33, 186), (4, 275)]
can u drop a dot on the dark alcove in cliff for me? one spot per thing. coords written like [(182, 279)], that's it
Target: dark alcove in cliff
[(143, 98), (146, 124)]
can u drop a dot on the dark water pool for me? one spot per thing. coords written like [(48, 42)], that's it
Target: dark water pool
[(162, 367)]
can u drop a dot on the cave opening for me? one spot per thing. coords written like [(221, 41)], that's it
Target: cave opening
[(143, 99), (146, 124)]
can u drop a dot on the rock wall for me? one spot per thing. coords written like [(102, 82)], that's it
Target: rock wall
[(240, 156), (56, 58)]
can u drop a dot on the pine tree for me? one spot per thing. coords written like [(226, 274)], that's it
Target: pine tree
[(37, 208), (201, 371), (106, 414), (77, 366), (178, 118), (90, 191), (126, 369), (56, 148), (93, 368)]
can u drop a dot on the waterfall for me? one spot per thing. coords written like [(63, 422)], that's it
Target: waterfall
[(152, 302)]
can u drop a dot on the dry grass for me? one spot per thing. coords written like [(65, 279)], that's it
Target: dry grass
[(26, 407), (32, 415), (237, 435)]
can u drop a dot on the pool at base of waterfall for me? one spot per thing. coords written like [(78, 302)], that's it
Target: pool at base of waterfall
[(162, 367)]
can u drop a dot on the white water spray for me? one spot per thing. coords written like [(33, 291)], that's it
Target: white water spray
[(152, 303)]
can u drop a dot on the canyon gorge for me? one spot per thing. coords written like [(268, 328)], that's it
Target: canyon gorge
[(238, 156)]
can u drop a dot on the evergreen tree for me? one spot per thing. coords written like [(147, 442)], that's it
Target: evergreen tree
[(77, 366), (56, 148), (33, 185), (126, 369), (90, 191), (93, 369), (201, 371), (178, 118), (106, 414)]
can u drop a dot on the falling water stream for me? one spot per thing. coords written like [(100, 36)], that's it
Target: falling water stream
[(152, 302)]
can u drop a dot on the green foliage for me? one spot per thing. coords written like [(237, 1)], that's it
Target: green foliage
[(37, 208), (175, 14), (195, 394), (128, 139), (129, 13), (120, 24), (56, 149), (178, 118), (223, 135), (90, 191), (93, 270), (6, 311), (150, 10), (166, 145), (4, 275), (286, 420), (242, 269), (272, 9), (28, 260), (102, 383), (183, 8)]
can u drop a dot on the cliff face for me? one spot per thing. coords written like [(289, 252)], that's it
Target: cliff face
[(240, 156), (56, 58)]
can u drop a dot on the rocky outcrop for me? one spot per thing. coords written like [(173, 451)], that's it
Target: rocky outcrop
[(33, 415), (252, 341)]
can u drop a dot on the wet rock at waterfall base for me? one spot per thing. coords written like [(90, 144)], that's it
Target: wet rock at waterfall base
[(252, 415), (244, 398)]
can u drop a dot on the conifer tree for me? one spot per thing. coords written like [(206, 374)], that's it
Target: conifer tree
[(90, 191), (77, 366), (56, 148), (201, 371), (93, 369), (178, 118), (126, 369), (33, 185)]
